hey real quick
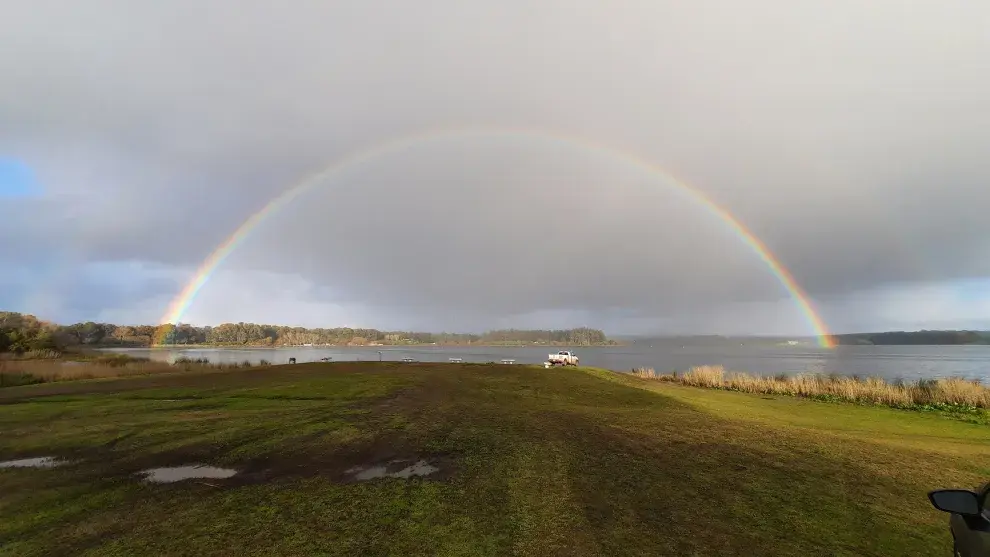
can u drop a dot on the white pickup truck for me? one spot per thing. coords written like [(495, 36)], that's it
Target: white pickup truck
[(562, 358)]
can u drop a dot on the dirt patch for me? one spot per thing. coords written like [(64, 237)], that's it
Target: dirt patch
[(400, 468), (173, 474), (436, 468), (38, 462), (393, 451), (382, 457)]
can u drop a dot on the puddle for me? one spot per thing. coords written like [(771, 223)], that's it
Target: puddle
[(419, 468), (179, 473), (40, 462)]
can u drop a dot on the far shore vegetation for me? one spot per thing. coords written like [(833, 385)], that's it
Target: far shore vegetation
[(20, 333), (916, 338), (887, 338)]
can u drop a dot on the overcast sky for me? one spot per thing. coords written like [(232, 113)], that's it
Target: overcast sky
[(853, 138)]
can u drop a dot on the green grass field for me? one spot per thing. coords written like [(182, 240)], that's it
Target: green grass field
[(533, 462)]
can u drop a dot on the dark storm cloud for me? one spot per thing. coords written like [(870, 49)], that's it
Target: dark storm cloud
[(850, 138)]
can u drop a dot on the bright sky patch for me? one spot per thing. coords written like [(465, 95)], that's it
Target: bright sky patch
[(17, 179)]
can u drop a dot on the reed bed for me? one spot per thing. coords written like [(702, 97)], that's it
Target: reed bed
[(24, 371), (926, 392), (32, 355)]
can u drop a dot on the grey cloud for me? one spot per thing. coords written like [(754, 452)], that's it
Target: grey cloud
[(82, 292), (850, 138)]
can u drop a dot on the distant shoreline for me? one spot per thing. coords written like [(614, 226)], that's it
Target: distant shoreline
[(332, 346)]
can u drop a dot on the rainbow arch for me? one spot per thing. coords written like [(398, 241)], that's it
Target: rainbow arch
[(181, 303)]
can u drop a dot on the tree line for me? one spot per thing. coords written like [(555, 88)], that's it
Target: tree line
[(916, 338), (22, 332)]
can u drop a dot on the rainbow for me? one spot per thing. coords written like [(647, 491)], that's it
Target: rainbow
[(180, 304)]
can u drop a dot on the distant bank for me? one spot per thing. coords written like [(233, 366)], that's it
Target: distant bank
[(234, 345), (929, 338), (23, 332), (886, 338)]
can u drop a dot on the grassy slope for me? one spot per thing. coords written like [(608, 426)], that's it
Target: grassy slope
[(537, 462)]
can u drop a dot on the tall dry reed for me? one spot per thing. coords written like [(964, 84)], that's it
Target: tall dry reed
[(953, 391), (32, 355), (19, 372)]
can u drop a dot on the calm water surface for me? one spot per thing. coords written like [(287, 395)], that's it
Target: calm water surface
[(889, 362)]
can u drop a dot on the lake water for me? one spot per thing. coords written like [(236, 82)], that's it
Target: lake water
[(889, 362)]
